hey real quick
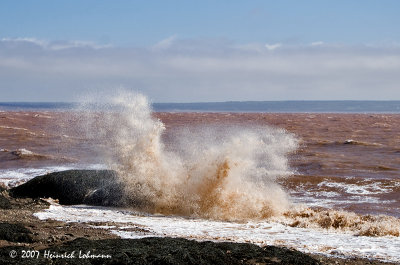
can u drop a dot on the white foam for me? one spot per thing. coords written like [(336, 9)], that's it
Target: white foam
[(24, 151), (375, 187), (13, 128), (261, 233), (333, 200)]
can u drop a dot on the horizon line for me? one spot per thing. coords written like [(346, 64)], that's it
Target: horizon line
[(211, 102)]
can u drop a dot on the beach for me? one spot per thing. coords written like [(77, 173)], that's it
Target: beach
[(49, 238)]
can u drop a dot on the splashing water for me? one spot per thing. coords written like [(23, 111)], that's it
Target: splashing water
[(217, 172), (221, 172)]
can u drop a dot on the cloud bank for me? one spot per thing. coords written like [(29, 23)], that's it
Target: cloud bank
[(176, 70)]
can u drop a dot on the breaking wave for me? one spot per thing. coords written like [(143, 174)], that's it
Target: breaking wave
[(360, 225), (25, 153), (220, 172), (216, 172), (28, 155)]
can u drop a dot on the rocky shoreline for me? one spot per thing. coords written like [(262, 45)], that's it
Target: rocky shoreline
[(55, 242)]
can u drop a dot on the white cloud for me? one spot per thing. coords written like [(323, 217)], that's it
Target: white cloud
[(317, 43), (191, 70), (54, 45), (61, 45), (165, 43), (272, 47), (34, 41)]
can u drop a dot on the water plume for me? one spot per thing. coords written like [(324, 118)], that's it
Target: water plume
[(218, 172)]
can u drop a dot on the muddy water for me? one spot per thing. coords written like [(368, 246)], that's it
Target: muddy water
[(343, 161)]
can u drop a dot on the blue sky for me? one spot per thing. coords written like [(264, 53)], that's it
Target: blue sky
[(200, 50), (147, 22)]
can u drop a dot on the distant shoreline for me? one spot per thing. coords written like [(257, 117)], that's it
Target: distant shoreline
[(301, 106)]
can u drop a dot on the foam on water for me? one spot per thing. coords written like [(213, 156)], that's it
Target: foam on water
[(333, 200), (342, 221), (366, 188), (128, 224), (13, 128)]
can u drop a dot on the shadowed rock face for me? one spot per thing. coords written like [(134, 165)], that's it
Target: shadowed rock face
[(15, 233), (92, 187), (4, 203)]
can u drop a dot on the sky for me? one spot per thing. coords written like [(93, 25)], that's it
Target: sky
[(209, 50)]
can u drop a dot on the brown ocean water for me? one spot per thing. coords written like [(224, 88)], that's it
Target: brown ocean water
[(345, 162)]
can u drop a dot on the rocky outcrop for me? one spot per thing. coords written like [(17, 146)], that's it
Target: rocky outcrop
[(4, 202), (15, 233), (92, 187)]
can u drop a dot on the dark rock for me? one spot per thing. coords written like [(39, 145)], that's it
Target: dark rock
[(4, 203), (15, 233), (92, 187), (168, 251)]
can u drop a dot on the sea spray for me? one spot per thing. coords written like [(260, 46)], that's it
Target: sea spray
[(218, 172), (213, 171)]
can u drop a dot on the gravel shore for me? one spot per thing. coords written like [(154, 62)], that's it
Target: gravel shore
[(54, 242)]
